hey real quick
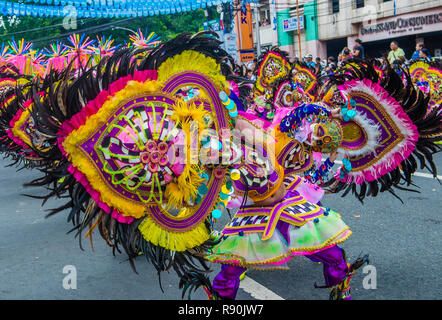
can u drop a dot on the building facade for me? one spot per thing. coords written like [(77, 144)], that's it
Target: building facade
[(331, 25)]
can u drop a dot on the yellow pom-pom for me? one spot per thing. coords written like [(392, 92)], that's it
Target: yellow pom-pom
[(225, 190), (235, 175)]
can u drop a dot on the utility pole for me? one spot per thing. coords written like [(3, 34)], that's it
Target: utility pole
[(258, 40), (299, 30)]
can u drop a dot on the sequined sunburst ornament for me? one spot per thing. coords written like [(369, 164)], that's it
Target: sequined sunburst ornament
[(305, 78), (429, 80), (23, 132), (135, 149), (273, 67)]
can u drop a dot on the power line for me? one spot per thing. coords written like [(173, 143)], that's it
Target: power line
[(43, 28)]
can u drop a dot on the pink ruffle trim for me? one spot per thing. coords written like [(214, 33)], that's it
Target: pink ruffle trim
[(261, 123), (399, 155)]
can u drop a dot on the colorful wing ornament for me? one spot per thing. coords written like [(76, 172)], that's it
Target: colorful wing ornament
[(427, 76), (125, 140), (280, 86), (306, 78), (387, 133)]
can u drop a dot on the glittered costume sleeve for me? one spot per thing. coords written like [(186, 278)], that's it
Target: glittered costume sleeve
[(294, 120), (320, 175)]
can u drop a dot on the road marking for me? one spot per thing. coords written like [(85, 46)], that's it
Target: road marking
[(257, 290), (417, 174), (426, 175)]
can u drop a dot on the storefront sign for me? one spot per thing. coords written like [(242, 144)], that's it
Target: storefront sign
[(247, 55), (291, 24), (244, 30), (214, 25), (404, 25), (230, 45)]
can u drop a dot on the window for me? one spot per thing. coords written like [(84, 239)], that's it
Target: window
[(335, 6), (264, 16), (360, 4)]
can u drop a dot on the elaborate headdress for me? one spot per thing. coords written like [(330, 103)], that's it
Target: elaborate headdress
[(388, 131), (427, 76)]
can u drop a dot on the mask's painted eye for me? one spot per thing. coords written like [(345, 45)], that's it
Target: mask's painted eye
[(319, 131)]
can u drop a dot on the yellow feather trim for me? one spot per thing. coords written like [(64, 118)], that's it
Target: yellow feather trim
[(174, 195), (17, 132), (184, 188), (187, 112), (175, 241), (191, 61)]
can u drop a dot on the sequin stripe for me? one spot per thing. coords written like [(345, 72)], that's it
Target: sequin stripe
[(289, 201), (276, 212), (253, 211), (301, 219), (296, 214), (254, 220), (293, 220), (228, 231), (303, 210), (292, 182), (241, 264), (247, 220)]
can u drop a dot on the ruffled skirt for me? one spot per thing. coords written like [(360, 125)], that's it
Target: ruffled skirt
[(287, 241)]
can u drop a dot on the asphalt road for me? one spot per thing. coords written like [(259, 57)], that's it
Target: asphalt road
[(403, 241)]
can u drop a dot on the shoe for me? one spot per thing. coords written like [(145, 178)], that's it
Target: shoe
[(342, 291)]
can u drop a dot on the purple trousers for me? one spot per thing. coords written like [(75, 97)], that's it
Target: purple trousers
[(226, 283)]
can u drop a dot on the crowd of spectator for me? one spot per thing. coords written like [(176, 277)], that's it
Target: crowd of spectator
[(395, 57)]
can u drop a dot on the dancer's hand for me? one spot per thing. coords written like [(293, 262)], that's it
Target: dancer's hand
[(336, 113), (333, 156)]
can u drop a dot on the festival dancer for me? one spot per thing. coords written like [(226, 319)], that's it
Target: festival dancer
[(278, 224), (116, 140)]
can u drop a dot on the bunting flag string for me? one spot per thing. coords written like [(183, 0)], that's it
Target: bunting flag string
[(105, 8)]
